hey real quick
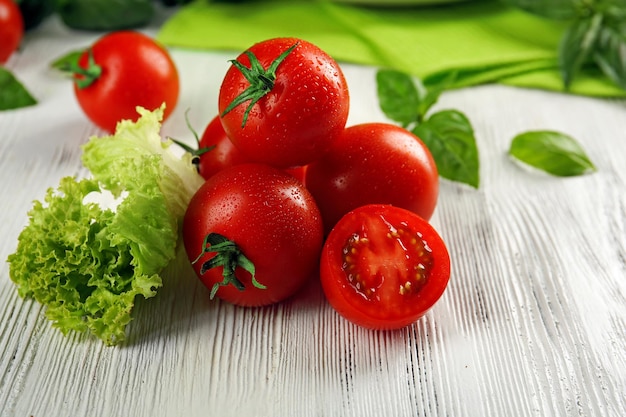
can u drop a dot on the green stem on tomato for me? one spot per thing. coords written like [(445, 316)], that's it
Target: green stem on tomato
[(197, 151), (229, 256), (84, 77), (261, 81)]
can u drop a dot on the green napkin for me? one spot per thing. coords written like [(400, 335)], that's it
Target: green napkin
[(482, 41)]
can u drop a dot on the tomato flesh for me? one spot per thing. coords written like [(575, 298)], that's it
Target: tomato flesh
[(398, 262), (384, 267)]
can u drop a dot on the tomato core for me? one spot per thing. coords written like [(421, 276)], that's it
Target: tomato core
[(401, 261), (383, 267)]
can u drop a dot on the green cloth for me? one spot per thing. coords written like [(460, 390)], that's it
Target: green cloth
[(483, 41)]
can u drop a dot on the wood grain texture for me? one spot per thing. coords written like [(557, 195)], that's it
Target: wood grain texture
[(533, 322)]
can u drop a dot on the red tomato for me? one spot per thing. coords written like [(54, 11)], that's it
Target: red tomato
[(222, 153), (298, 172), (374, 163), (135, 71), (11, 29), (268, 217), (297, 111), (383, 267)]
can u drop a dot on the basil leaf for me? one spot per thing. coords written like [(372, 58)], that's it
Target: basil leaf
[(398, 96), (405, 99), (577, 44), (108, 15), (13, 95), (553, 152), (610, 52), (67, 62), (432, 91), (614, 9), (449, 136), (551, 9)]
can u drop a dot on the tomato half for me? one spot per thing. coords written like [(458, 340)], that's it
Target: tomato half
[(374, 163), (134, 71), (11, 29), (383, 267), (268, 218), (296, 110)]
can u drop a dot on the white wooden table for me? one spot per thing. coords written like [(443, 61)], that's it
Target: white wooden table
[(533, 322)]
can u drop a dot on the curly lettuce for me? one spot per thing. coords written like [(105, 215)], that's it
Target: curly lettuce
[(87, 261)]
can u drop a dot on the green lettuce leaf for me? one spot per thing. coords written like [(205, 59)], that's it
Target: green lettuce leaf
[(106, 158), (97, 243)]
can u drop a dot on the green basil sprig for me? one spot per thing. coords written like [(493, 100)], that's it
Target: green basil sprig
[(595, 37), (13, 95), (553, 152), (448, 134)]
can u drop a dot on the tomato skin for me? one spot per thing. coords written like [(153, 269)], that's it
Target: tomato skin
[(374, 163), (11, 29), (223, 154), (273, 219), (136, 71), (297, 121), (388, 293), (298, 172)]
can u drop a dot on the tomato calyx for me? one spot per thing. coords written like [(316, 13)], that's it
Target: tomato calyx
[(196, 152), (261, 81), (229, 256), (83, 77)]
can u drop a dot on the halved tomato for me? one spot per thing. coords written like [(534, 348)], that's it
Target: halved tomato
[(383, 267)]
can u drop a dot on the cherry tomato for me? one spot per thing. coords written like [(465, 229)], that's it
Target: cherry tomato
[(253, 214), (383, 267), (289, 115), (374, 163), (11, 28), (134, 70), (221, 152)]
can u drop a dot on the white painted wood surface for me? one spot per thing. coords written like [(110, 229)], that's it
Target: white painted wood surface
[(533, 322)]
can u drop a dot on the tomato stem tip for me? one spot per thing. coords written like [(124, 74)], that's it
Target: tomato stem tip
[(229, 256), (83, 77), (197, 151), (261, 81)]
